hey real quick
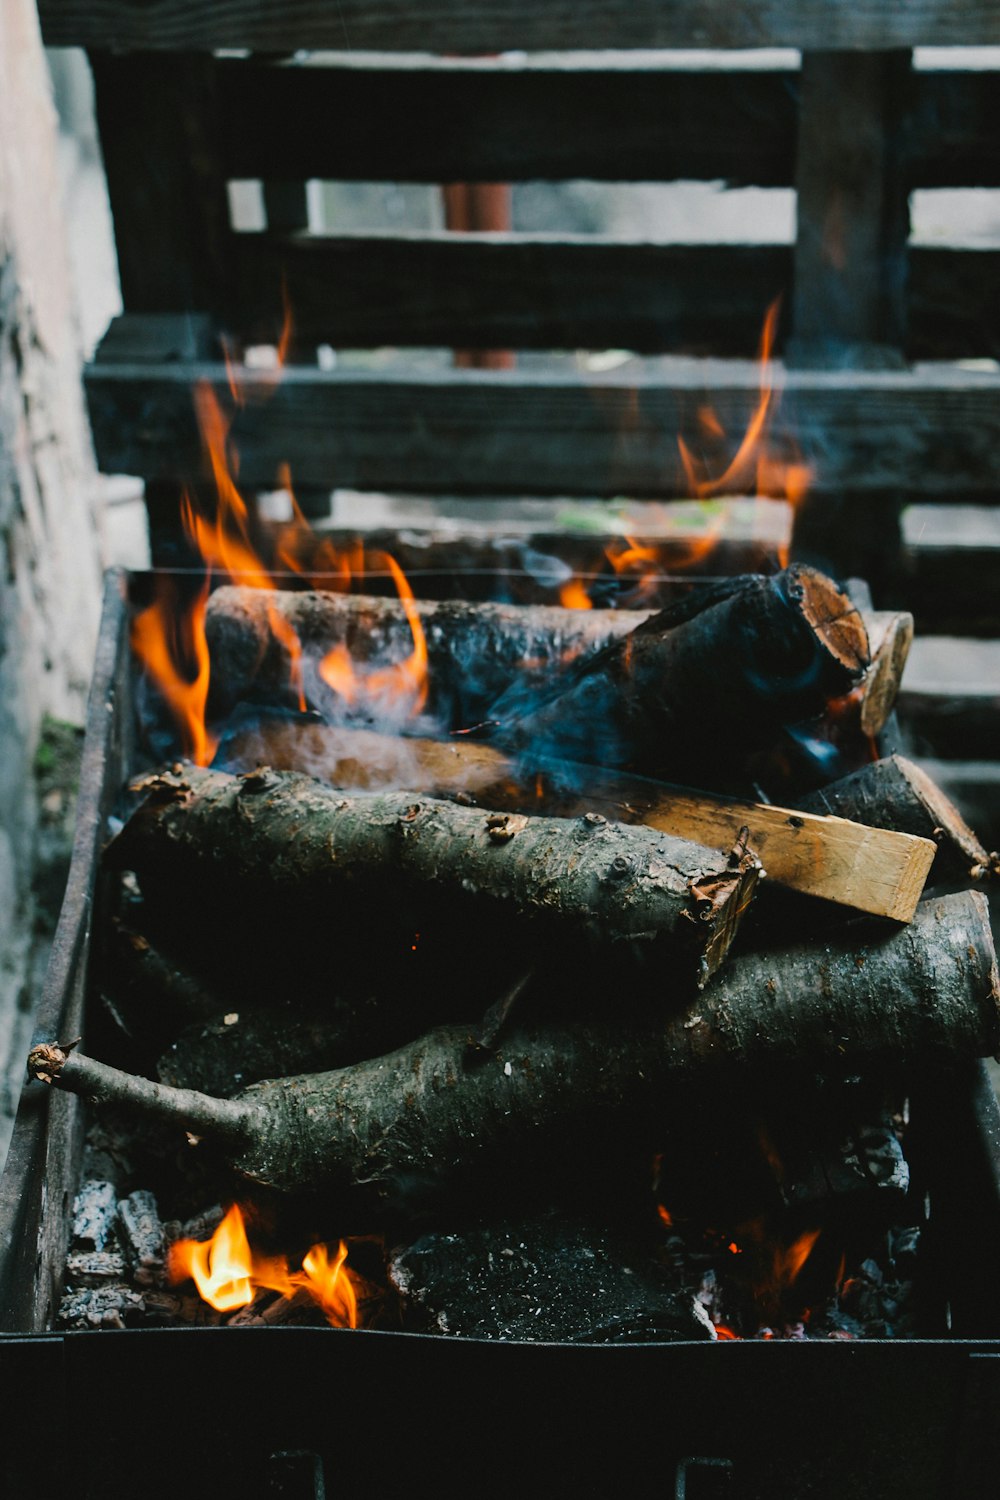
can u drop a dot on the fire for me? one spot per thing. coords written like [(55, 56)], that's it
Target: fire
[(755, 468), (573, 595), (173, 649), (221, 1268), (228, 1273), (170, 643), (399, 686)]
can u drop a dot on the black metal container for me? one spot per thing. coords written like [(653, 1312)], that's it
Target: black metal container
[(255, 1412)]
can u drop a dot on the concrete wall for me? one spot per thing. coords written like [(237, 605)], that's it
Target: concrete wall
[(50, 558)]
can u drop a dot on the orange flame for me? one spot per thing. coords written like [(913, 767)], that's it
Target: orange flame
[(573, 595), (754, 468), (228, 1272), (166, 641), (402, 686)]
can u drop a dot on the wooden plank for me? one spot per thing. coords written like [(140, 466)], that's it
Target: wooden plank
[(572, 291), (505, 25), (950, 700), (157, 123), (934, 430), (953, 589), (494, 290), (444, 121), (503, 120), (870, 869), (852, 212)]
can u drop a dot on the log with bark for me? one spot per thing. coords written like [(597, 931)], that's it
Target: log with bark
[(281, 848), (479, 652), (849, 863), (689, 694), (896, 793), (436, 1113)]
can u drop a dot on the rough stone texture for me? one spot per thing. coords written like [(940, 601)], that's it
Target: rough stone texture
[(49, 546)]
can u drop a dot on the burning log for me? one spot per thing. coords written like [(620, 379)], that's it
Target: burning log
[(895, 793), (866, 864), (305, 851), (474, 651), (478, 652), (436, 1111), (690, 692)]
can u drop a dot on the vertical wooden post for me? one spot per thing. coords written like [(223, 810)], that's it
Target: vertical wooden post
[(849, 302), (157, 118)]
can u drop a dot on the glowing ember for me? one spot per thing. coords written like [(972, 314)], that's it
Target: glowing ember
[(228, 1273)]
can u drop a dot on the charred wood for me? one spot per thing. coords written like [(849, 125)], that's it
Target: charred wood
[(546, 1278), (475, 651), (284, 844), (432, 1113), (95, 1210), (142, 1235), (692, 691), (486, 659), (94, 1267), (895, 793)]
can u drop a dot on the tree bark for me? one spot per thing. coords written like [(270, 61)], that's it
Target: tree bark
[(271, 844), (865, 864), (477, 653), (895, 793), (436, 1112), (687, 699)]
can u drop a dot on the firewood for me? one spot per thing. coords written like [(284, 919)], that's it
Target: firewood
[(436, 1113), (890, 636), (475, 651), (152, 991), (895, 793), (142, 1235), (284, 844), (850, 863), (479, 652), (95, 1210), (688, 698)]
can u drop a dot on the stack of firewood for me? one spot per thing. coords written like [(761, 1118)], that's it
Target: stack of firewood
[(388, 968)]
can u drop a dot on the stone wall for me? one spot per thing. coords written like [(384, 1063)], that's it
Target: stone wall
[(49, 537)]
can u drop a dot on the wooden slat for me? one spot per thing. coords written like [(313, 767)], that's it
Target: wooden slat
[(493, 121), (157, 121), (950, 699), (953, 590), (435, 121), (582, 291), (504, 25), (852, 211), (489, 121), (934, 431), (497, 290)]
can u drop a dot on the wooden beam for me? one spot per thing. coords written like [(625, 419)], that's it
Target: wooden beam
[(852, 212), (157, 120), (506, 25), (613, 118), (574, 292), (507, 290), (934, 431), (448, 120)]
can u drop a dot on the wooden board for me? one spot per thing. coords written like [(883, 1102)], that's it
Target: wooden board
[(458, 26), (496, 290), (609, 117), (586, 291), (934, 431)]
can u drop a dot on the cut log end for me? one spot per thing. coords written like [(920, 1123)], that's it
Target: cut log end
[(835, 621)]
